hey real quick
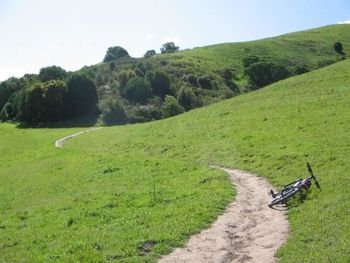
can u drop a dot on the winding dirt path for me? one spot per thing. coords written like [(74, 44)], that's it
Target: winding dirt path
[(248, 231), (60, 143)]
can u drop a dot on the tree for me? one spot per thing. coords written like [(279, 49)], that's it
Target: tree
[(138, 90), (169, 47), (54, 99), (338, 47), (160, 82), (52, 73), (7, 89), (112, 111), (171, 107), (81, 96), (31, 105), (187, 98), (150, 53), (115, 53)]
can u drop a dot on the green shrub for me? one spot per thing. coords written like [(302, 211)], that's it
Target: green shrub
[(169, 47), (338, 47), (325, 62), (263, 73), (81, 96), (249, 60), (112, 111), (31, 104), (160, 82), (190, 78), (52, 73), (54, 99), (205, 82), (149, 112), (171, 107), (8, 88), (138, 90), (112, 66), (150, 53), (187, 98), (115, 53), (124, 76)]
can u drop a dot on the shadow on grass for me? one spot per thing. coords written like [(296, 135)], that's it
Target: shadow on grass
[(79, 122)]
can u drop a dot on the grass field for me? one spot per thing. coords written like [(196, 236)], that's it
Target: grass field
[(130, 193)]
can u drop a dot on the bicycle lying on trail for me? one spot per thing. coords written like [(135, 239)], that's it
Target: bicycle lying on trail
[(293, 188)]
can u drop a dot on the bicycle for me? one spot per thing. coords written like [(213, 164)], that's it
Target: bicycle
[(293, 188)]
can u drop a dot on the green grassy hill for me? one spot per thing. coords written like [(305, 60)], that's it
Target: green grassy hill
[(309, 49), (130, 90), (107, 193), (218, 72)]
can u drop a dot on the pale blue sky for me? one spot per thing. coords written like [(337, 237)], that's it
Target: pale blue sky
[(74, 33)]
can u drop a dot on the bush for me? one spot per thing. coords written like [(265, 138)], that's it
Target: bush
[(112, 66), (191, 79), (137, 90), (169, 47), (150, 53), (338, 47), (248, 61), (187, 98), (31, 105), (160, 82), (54, 99), (149, 112), (325, 62), (112, 111), (124, 76), (7, 89), (171, 107), (52, 73), (205, 82), (301, 69), (226, 74), (263, 73), (81, 96), (115, 53)]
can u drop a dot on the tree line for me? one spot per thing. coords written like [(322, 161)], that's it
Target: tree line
[(52, 95)]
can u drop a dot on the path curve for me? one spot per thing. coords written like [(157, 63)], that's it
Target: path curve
[(248, 231), (60, 143)]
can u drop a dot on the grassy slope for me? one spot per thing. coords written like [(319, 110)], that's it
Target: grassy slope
[(309, 48), (304, 47), (108, 192)]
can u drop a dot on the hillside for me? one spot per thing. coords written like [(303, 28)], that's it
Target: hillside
[(107, 194), (217, 72), (222, 64), (129, 90)]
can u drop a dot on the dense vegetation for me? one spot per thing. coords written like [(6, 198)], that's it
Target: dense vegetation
[(136, 90), (133, 192), (53, 95)]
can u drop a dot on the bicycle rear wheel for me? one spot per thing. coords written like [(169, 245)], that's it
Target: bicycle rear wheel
[(283, 198)]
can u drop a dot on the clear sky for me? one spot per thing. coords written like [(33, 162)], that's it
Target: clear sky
[(74, 33)]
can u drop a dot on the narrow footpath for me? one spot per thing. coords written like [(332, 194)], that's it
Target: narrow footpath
[(248, 231)]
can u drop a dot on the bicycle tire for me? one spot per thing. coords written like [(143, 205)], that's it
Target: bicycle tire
[(282, 199)]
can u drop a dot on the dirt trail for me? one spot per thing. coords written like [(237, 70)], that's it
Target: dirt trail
[(248, 231), (60, 143)]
